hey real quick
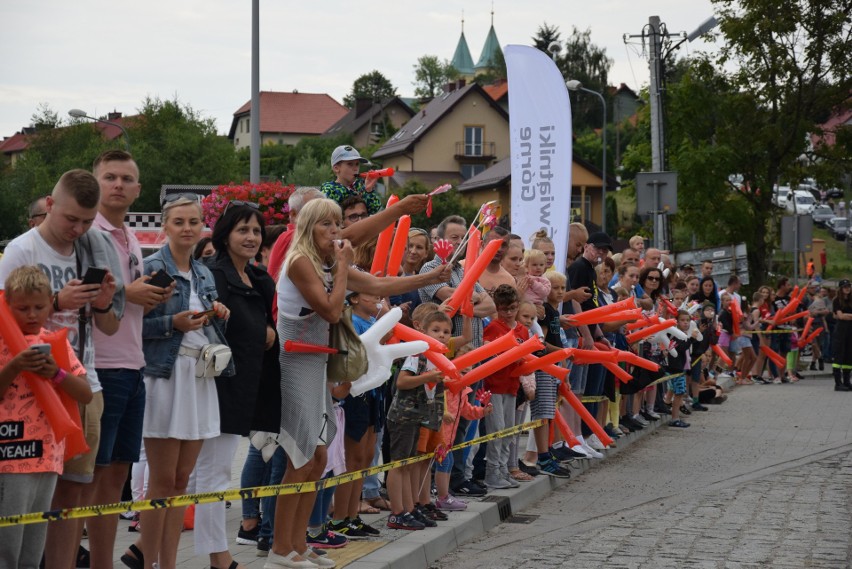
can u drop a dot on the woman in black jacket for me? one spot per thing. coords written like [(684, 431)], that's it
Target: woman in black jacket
[(249, 293)]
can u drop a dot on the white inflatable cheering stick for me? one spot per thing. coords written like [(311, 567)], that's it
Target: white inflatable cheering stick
[(381, 356)]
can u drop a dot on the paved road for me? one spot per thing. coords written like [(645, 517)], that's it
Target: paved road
[(762, 481)]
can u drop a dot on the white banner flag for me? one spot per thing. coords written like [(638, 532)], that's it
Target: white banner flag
[(540, 135)]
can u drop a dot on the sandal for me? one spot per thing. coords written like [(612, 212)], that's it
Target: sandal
[(137, 562), (520, 475), (380, 503), (365, 508)]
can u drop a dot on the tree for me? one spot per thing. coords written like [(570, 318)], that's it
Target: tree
[(578, 58), (308, 170), (430, 74), (174, 144), (373, 86)]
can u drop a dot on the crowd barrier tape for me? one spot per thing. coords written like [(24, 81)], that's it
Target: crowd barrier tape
[(789, 331), (242, 493)]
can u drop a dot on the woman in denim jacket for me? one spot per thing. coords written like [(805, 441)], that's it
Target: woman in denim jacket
[(181, 410)]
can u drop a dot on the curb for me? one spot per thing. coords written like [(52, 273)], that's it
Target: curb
[(420, 549)]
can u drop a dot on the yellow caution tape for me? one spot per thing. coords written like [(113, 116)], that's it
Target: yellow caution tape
[(241, 493)]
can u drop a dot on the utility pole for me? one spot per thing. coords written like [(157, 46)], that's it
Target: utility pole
[(254, 113)]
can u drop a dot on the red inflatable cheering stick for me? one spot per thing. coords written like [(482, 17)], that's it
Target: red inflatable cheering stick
[(303, 348), (376, 174)]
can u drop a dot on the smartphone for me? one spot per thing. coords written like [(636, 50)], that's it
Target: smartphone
[(198, 315), (94, 275), (43, 348), (161, 279)]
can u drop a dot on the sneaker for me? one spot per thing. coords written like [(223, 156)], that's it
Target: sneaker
[(496, 482), (631, 424), (326, 540), (624, 429), (366, 528), (759, 379), (580, 451), (527, 468), (347, 529), (777, 381), (592, 452), (685, 410), (469, 488), (451, 504), (595, 443), (641, 420), (798, 375), (552, 468), (418, 515), (812, 367), (434, 513), (650, 415), (612, 431), (508, 478), (699, 407), (248, 537), (562, 454), (264, 545), (678, 423), (785, 379), (404, 521)]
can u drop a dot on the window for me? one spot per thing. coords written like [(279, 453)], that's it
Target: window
[(473, 140), (247, 125), (470, 170), (377, 129), (584, 210)]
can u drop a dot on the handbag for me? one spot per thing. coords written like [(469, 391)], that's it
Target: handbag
[(350, 362), (212, 360)]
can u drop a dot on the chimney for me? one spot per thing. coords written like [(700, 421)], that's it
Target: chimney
[(362, 105), (113, 116), (461, 83)]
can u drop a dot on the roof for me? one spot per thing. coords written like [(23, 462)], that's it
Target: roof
[(498, 89), (19, 141), (501, 173), (16, 143), (351, 122), (431, 114), (488, 58), (296, 113), (462, 61), (839, 118)]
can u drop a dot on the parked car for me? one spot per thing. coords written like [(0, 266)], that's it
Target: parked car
[(801, 202), (839, 227), (821, 214), (834, 193), (779, 195)]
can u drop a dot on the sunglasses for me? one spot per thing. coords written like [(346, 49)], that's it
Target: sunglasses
[(650, 278), (238, 203), (171, 198)]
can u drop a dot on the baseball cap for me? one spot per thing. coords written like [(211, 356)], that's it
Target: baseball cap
[(844, 282), (600, 239), (346, 152)]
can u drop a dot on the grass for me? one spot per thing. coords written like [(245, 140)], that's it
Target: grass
[(839, 264)]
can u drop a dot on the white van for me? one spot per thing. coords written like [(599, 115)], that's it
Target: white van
[(780, 195), (801, 202)]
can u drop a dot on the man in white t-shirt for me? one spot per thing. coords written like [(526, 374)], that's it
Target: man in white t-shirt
[(62, 247)]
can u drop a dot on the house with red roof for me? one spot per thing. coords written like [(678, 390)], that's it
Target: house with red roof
[(286, 117)]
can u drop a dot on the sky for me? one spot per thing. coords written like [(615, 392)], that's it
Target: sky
[(101, 56)]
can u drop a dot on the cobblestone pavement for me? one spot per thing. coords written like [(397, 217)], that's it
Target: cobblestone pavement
[(762, 481)]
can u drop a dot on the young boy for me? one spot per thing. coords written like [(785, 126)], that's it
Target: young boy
[(346, 162), (503, 387), (410, 408), (679, 364), (32, 456)]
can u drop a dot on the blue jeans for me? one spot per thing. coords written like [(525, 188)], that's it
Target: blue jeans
[(255, 473), (372, 485), (277, 466), (321, 505)]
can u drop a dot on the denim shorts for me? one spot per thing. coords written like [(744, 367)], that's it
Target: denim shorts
[(124, 410)]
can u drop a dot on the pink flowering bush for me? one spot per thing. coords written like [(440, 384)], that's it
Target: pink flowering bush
[(270, 196)]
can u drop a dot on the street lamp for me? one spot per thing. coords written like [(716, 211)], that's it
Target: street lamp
[(574, 85), (80, 114)]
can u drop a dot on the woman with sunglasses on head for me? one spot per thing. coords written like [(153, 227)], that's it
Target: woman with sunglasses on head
[(181, 409), (248, 292)]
